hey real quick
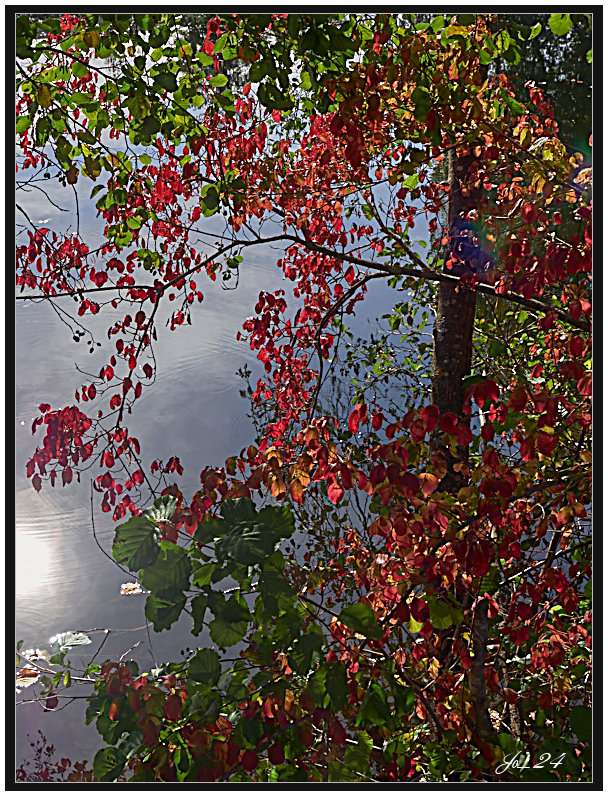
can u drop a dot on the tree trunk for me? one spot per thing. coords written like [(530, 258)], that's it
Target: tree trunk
[(455, 315), (452, 357)]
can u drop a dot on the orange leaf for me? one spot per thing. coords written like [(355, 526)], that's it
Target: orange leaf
[(428, 483)]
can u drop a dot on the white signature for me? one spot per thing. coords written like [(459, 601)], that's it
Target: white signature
[(520, 761)]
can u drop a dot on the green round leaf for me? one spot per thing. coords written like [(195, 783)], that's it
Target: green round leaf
[(225, 634), (109, 764), (560, 24), (170, 572), (166, 610), (136, 543), (205, 667), (246, 543), (361, 619)]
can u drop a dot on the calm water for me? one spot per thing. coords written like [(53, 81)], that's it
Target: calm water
[(63, 581)]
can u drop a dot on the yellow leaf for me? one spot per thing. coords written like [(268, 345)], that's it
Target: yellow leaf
[(434, 668), (45, 98), (456, 30), (91, 38)]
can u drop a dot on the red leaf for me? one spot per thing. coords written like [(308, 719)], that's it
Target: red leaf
[(66, 476), (519, 399), (276, 755), (296, 490), (465, 659), (545, 443), (409, 485), (150, 732), (357, 416), (487, 432), (449, 423), (529, 213), (335, 492), (196, 214), (464, 434), (173, 707), (249, 760), (337, 732), (584, 385), (430, 417), (377, 420), (377, 474), (51, 702), (526, 449)]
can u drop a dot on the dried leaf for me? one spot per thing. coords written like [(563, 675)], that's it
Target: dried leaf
[(131, 588), (25, 678)]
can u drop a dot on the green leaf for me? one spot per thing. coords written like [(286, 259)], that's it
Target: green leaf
[(358, 757), (211, 197), (240, 510), (22, 123), (164, 611), (220, 44), (136, 543), (279, 519), (374, 709), (361, 619), (79, 69), (258, 70), (440, 615), (205, 667), (581, 723), (285, 772), (109, 764), (201, 573), (515, 107), (230, 623), (306, 652), (211, 529), (589, 56), (422, 103), (339, 772), (167, 81), (560, 24), (219, 81), (163, 509), (438, 23), (248, 543), (225, 634), (536, 30), (328, 685), (170, 572), (198, 607)]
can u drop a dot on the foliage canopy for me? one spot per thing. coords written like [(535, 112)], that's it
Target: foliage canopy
[(445, 627)]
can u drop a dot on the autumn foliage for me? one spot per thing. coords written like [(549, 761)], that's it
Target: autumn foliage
[(362, 664)]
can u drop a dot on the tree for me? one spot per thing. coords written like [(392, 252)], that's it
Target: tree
[(447, 637)]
